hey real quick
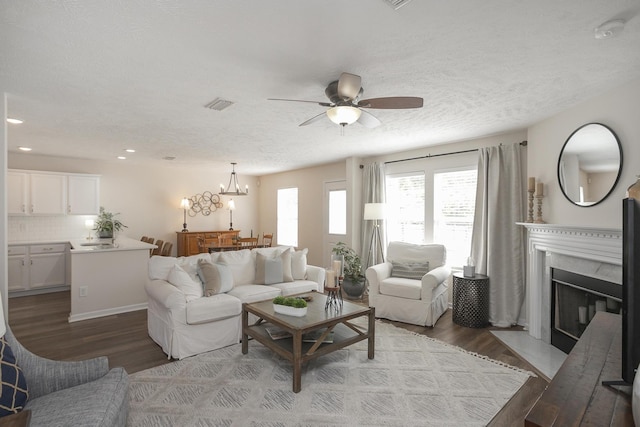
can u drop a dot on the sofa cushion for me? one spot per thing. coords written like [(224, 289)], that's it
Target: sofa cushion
[(216, 278), (401, 288), (242, 266), (103, 402), (254, 293), (215, 307), (409, 270), (282, 251), (434, 253), (296, 287), (160, 266), (268, 270), (13, 392), (299, 264), (183, 281)]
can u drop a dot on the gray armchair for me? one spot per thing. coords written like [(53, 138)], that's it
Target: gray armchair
[(84, 393)]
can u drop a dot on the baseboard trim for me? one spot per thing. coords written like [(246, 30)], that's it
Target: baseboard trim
[(107, 312)]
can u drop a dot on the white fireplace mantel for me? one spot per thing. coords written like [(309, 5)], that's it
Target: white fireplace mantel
[(595, 246)]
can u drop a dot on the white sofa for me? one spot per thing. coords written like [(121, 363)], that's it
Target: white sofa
[(420, 300), (184, 322)]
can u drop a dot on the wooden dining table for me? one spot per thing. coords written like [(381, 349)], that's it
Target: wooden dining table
[(231, 247)]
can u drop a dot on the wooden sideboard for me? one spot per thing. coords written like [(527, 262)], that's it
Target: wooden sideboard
[(576, 396), (187, 241)]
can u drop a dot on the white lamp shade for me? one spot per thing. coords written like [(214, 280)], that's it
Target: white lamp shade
[(373, 211), (344, 114), (231, 205), (184, 204)]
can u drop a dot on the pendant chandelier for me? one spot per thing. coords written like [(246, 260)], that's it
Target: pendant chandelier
[(233, 189)]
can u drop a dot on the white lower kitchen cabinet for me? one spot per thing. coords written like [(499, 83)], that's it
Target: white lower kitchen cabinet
[(37, 268)]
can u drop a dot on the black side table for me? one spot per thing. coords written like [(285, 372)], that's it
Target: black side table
[(471, 300)]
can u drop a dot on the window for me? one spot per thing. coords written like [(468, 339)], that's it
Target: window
[(287, 217), (405, 207), (338, 212), (454, 198)]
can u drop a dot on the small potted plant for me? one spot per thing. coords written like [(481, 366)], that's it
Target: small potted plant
[(290, 306), (353, 281), (106, 224)]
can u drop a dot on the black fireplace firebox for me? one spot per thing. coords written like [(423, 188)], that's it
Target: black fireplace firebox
[(574, 301)]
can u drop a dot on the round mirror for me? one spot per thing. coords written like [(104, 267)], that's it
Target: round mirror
[(589, 165)]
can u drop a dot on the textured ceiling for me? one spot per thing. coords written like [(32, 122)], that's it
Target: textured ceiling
[(93, 77)]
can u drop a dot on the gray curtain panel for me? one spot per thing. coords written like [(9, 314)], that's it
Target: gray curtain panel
[(373, 191), (497, 244)]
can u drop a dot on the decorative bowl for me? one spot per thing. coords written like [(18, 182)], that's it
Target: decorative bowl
[(289, 311)]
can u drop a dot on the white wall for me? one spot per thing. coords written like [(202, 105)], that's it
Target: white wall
[(618, 109), (3, 205), (310, 184), (147, 198)]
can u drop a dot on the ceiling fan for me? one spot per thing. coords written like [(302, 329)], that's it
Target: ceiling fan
[(346, 107)]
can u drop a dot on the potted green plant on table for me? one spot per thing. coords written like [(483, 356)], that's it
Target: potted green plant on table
[(353, 280), (290, 306), (106, 224)]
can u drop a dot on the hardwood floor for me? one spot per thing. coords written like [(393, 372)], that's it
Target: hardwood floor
[(40, 324)]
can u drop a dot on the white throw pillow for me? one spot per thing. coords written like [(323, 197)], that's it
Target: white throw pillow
[(241, 264), (269, 270), (299, 264), (181, 280), (216, 278)]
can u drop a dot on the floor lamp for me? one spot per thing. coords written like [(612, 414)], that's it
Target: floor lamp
[(375, 212)]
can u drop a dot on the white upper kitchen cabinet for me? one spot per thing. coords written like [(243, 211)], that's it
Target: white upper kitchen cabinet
[(48, 194), (83, 194), (18, 190)]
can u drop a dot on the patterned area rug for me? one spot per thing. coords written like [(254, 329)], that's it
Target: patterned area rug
[(413, 380)]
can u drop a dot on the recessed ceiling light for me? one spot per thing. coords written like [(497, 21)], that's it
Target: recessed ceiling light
[(14, 121), (24, 148), (169, 158), (122, 158), (609, 29), (130, 150)]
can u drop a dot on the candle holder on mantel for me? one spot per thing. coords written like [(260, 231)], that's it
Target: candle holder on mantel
[(530, 217), (539, 214)]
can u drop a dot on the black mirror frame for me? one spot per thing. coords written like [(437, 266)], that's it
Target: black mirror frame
[(619, 168)]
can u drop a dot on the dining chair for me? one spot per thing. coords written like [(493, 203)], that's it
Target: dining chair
[(158, 248), (166, 249), (266, 240), (247, 242)]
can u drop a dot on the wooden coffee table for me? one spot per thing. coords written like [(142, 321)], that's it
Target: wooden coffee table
[(293, 348)]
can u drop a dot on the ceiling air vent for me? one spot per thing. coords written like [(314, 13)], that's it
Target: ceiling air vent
[(219, 104), (396, 4)]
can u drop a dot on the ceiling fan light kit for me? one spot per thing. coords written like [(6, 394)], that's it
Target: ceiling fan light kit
[(344, 115), (345, 106)]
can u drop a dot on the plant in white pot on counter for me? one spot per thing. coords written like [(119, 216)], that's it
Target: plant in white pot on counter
[(106, 224), (290, 306)]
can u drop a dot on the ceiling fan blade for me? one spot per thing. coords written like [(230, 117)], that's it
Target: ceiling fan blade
[(392, 102), (313, 119), (349, 86), (368, 120), (324, 104)]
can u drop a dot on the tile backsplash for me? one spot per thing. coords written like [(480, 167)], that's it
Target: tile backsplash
[(47, 228)]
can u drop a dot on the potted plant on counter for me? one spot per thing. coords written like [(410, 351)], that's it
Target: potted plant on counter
[(106, 224), (353, 281)]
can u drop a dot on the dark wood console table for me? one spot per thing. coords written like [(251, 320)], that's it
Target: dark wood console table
[(576, 396)]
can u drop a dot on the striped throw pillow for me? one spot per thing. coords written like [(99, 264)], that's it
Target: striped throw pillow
[(409, 270)]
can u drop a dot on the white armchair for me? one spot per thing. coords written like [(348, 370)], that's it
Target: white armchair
[(408, 295)]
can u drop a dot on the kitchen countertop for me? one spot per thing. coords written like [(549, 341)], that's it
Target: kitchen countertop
[(104, 245)]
